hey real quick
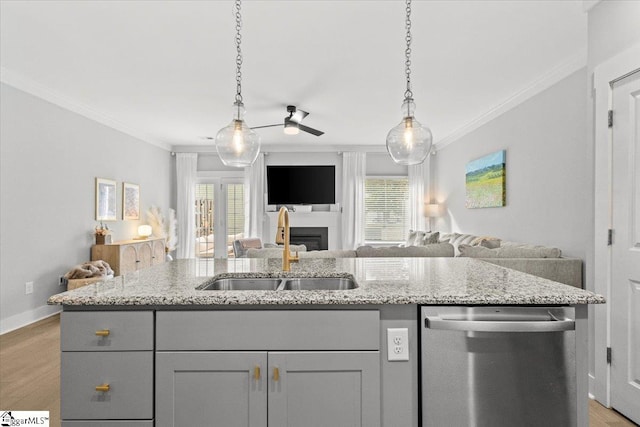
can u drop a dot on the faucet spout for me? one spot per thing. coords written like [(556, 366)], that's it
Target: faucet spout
[(283, 237)]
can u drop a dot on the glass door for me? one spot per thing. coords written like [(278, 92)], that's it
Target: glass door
[(219, 216)]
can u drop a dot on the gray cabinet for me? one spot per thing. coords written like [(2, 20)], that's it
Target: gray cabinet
[(324, 389), (330, 377), (275, 389), (106, 368), (211, 389)]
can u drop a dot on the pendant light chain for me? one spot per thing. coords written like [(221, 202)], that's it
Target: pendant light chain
[(408, 94), (239, 53)]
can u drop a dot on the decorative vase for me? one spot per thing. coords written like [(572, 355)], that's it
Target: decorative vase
[(102, 239)]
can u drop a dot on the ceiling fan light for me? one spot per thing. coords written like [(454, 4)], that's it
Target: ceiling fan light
[(290, 127)]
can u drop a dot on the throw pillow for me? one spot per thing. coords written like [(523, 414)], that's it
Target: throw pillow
[(411, 240), (430, 238)]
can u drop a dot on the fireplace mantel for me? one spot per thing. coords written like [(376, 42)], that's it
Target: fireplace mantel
[(331, 220)]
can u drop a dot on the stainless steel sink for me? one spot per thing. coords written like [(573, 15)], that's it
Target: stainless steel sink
[(233, 284), (279, 284), (319, 283)]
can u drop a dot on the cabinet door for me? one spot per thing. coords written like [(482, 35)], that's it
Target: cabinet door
[(128, 259), (211, 389), (158, 252), (325, 389), (144, 255)]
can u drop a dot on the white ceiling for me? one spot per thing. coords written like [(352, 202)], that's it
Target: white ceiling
[(165, 69)]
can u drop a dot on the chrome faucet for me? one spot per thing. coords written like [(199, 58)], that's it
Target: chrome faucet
[(282, 237)]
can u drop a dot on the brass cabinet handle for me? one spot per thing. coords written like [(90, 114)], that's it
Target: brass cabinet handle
[(276, 374), (256, 373), (103, 333), (103, 387)]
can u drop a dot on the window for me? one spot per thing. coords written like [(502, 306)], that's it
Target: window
[(209, 211), (386, 210)]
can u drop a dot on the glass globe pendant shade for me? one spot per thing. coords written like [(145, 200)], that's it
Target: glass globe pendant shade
[(409, 143), (237, 144)]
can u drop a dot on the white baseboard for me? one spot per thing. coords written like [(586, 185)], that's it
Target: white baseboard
[(18, 321)]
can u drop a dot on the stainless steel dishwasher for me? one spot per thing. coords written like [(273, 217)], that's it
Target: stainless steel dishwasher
[(498, 366)]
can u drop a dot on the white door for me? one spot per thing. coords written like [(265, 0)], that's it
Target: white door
[(625, 263)]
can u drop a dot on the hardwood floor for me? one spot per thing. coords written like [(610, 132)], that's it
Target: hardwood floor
[(30, 375), (30, 369)]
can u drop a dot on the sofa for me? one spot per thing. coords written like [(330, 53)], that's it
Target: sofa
[(537, 260)]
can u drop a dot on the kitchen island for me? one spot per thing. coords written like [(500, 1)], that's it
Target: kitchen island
[(151, 347)]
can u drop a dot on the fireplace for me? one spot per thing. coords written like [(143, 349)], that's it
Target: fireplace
[(314, 238)]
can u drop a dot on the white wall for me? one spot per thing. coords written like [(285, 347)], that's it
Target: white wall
[(50, 159), (547, 198)]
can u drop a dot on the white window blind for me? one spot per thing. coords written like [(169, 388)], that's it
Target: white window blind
[(235, 209), (386, 209)]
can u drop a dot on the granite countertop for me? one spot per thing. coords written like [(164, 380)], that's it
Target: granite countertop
[(458, 281)]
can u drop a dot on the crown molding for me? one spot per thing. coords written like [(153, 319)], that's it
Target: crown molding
[(34, 88), (564, 70)]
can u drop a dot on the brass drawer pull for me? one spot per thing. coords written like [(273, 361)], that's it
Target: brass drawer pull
[(276, 374), (256, 373), (103, 388), (103, 333)]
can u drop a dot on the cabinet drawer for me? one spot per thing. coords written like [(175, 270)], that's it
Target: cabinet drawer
[(127, 330), (268, 330), (100, 423), (128, 374)]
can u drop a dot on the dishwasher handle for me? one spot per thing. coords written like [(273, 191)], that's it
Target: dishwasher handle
[(434, 322)]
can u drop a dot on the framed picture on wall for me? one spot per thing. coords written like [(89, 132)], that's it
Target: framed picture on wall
[(106, 204), (130, 201), (486, 181)]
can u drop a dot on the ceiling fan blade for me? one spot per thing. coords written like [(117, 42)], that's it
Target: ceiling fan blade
[(267, 126), (310, 130), (298, 116)]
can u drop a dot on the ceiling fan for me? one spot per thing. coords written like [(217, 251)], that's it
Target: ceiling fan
[(292, 124)]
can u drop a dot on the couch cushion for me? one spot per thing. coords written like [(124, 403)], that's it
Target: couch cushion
[(328, 254), (293, 248), (434, 250), (509, 252)]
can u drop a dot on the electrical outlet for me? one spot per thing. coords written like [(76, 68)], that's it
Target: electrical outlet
[(62, 281), (397, 344), (28, 288)]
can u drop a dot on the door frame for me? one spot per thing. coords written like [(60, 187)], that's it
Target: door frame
[(220, 180), (604, 76)]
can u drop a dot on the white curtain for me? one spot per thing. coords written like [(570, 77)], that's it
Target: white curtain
[(186, 171), (418, 185), (254, 198), (354, 171)]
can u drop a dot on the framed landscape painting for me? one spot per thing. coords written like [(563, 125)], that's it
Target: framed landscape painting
[(105, 200), (485, 181), (130, 201)]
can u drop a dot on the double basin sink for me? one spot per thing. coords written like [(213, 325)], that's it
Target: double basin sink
[(280, 284)]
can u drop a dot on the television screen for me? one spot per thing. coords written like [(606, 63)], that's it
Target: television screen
[(301, 185)]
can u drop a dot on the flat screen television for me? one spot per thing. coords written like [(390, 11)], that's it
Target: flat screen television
[(301, 185)]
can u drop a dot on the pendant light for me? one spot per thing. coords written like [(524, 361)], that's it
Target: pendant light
[(237, 144), (409, 142)]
